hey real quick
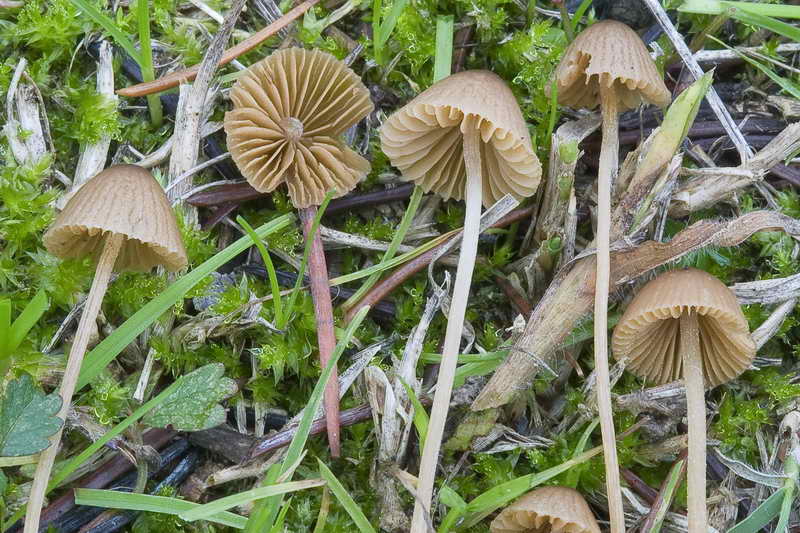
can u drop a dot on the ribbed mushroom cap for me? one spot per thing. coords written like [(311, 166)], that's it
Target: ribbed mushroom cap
[(547, 510), (125, 200), (609, 52), (424, 138), (648, 334), (288, 113)]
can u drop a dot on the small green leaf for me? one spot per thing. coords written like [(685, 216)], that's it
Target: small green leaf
[(27, 418), (194, 405)]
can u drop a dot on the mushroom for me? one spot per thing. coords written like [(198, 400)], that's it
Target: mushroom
[(289, 111), (463, 138), (687, 323), (122, 219), (608, 65), (547, 510)]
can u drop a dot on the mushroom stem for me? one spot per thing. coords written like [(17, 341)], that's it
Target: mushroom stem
[(609, 153), (696, 414), (455, 325), (91, 308), (323, 311)]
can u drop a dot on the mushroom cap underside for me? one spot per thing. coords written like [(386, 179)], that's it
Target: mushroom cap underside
[(648, 335), (547, 510), (612, 54), (124, 200), (289, 111), (424, 139)]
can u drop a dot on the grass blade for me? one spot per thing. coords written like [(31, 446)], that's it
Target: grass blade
[(420, 415), (26, 320), (110, 26), (266, 511), (716, 7), (345, 499), (763, 515), (273, 276), (112, 499), (443, 58), (106, 351), (204, 512), (148, 73)]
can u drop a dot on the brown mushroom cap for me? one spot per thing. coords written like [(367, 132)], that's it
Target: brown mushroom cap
[(288, 113), (424, 138), (609, 52), (648, 334), (125, 200), (547, 510)]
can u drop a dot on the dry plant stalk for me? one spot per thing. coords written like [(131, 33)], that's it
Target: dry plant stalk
[(24, 113)]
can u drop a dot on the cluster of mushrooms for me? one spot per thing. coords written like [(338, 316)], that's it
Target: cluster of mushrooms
[(464, 138)]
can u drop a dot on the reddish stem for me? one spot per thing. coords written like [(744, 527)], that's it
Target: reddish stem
[(323, 311)]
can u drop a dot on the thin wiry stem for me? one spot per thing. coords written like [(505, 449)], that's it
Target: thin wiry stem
[(696, 414), (452, 339), (609, 154)]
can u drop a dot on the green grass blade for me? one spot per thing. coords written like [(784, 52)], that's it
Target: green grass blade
[(26, 320), (265, 511), (573, 476), (673, 481), (420, 414), (5, 328), (786, 85), (397, 240), (352, 508), (273, 276), (578, 15), (148, 73), (716, 7), (774, 25), (106, 351), (111, 499), (763, 515), (443, 57), (110, 26), (387, 25), (204, 512)]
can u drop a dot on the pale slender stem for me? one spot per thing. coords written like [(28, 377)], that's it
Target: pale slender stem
[(609, 154), (452, 338), (323, 311), (696, 414), (102, 274)]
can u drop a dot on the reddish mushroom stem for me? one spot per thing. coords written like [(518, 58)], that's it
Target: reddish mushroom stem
[(609, 154), (696, 415), (323, 311), (455, 325), (102, 274)]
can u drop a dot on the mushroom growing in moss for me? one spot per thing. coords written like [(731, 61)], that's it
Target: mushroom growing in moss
[(289, 111), (687, 323), (608, 65), (463, 138), (547, 510), (122, 219)]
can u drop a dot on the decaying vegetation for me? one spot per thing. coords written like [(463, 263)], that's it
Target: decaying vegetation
[(327, 284)]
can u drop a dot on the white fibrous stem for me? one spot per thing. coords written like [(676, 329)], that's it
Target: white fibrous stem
[(609, 154), (696, 414), (102, 274), (455, 325)]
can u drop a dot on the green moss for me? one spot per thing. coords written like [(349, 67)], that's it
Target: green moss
[(739, 420)]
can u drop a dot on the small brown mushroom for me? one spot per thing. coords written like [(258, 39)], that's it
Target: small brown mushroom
[(547, 510), (288, 113), (608, 65), (122, 218), (687, 323), (464, 137)]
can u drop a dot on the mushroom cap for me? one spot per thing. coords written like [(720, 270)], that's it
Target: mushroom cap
[(424, 138), (124, 200), (648, 334), (609, 52), (288, 113), (547, 510)]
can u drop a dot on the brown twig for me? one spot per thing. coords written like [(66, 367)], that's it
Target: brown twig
[(323, 311), (520, 303), (388, 284), (182, 76), (648, 493)]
